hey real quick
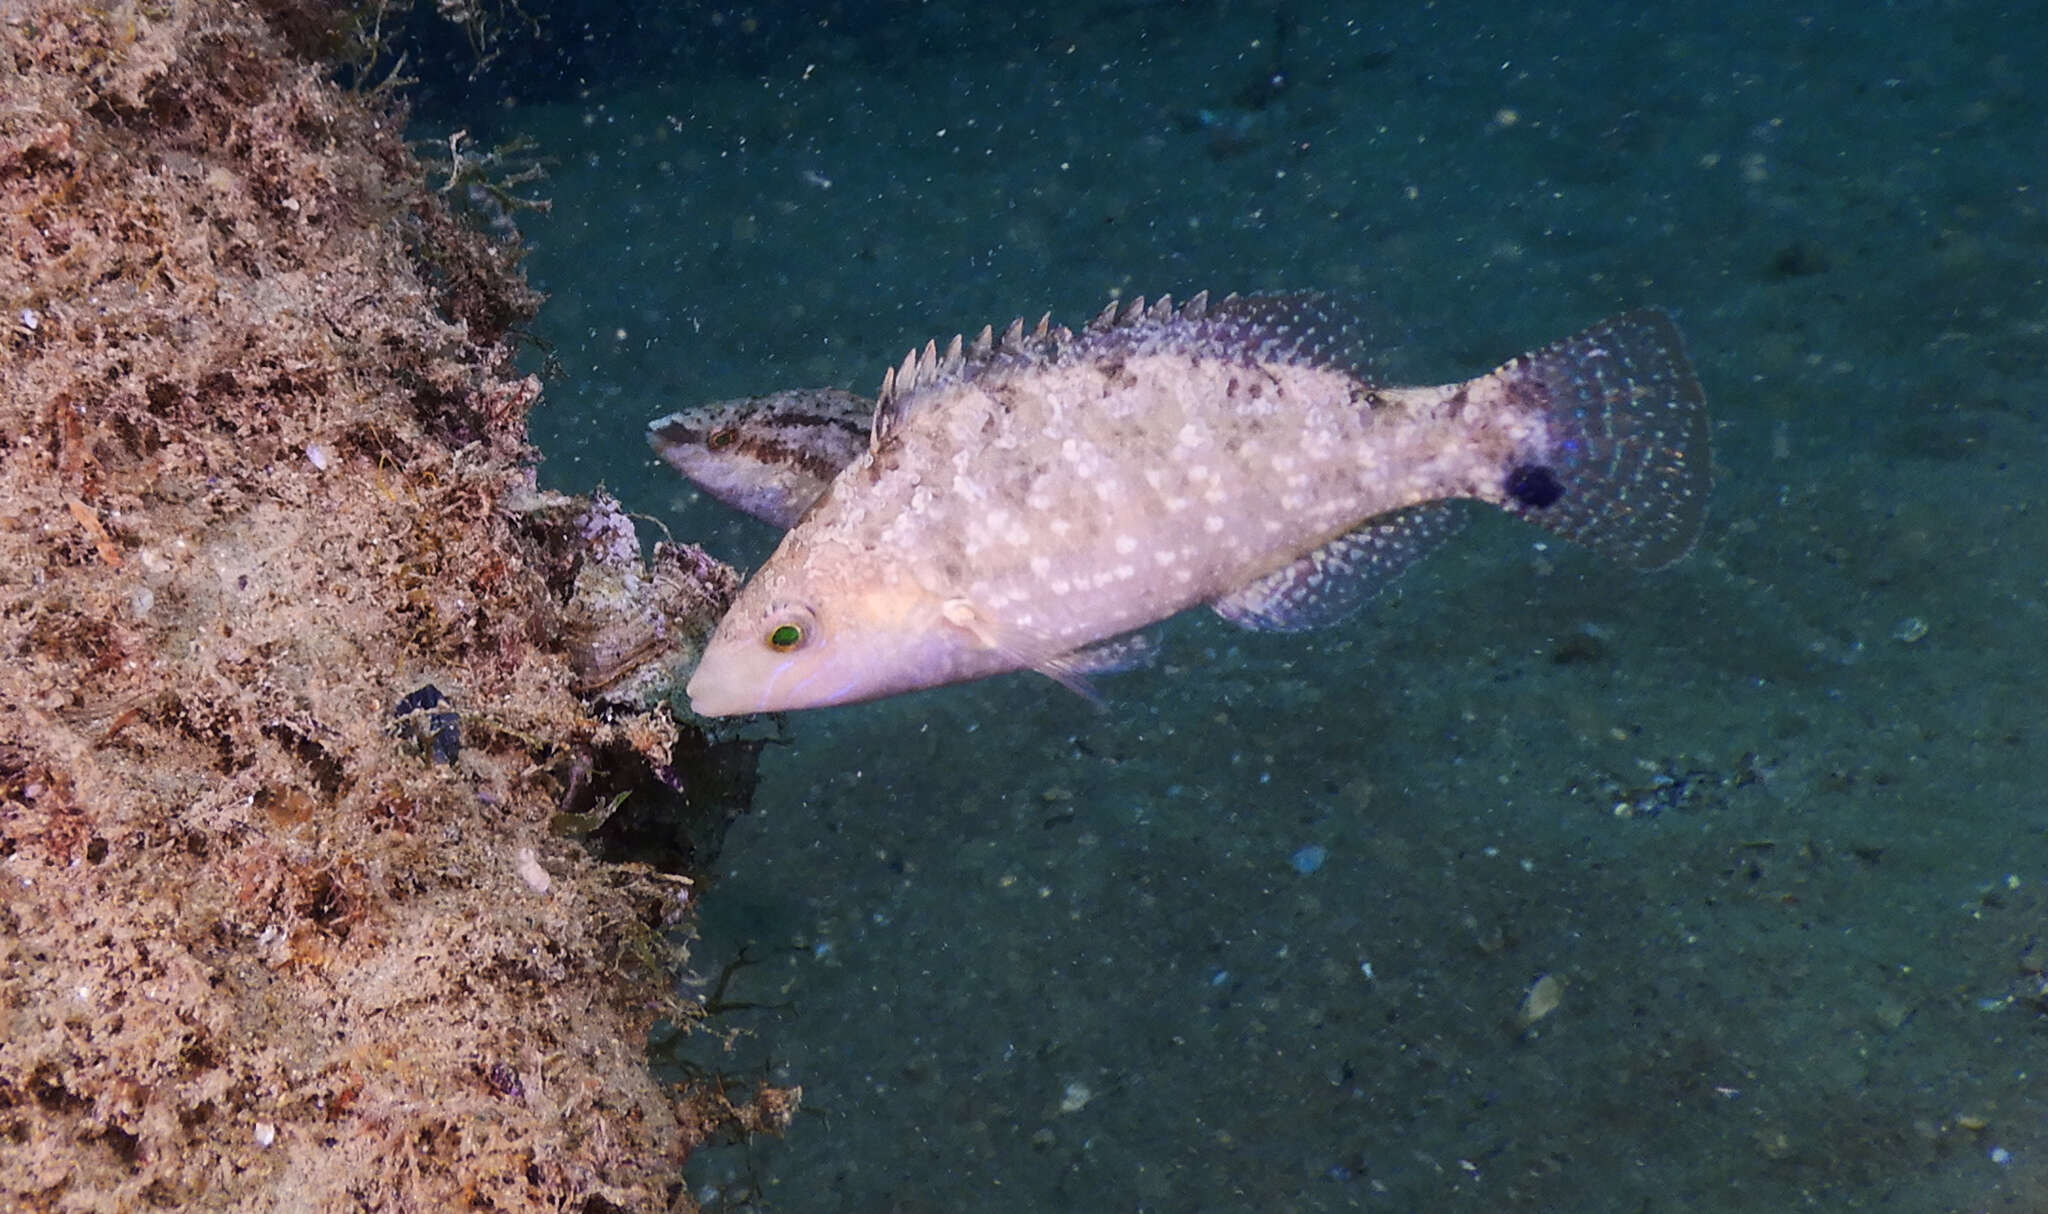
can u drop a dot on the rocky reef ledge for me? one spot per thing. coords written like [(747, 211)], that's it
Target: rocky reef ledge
[(302, 678)]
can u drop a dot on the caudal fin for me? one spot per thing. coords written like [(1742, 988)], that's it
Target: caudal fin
[(1627, 474)]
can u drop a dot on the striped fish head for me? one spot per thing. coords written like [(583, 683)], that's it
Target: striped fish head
[(769, 456), (807, 632)]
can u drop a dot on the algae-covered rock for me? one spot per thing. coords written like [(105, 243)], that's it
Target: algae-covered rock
[(260, 451), (632, 627)]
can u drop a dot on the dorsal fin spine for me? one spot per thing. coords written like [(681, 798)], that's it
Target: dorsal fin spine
[(923, 367), (878, 425)]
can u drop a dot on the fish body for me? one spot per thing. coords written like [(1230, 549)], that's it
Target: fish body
[(1024, 499), (770, 456)]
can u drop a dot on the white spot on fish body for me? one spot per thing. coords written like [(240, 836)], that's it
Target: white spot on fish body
[(1214, 524), (1125, 545), (1041, 565)]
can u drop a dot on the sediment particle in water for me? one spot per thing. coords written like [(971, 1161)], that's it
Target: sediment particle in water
[(1543, 997)]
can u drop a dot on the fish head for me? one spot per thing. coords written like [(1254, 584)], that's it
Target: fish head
[(806, 634), (768, 456), (696, 441)]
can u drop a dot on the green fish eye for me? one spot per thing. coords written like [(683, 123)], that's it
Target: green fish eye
[(785, 638)]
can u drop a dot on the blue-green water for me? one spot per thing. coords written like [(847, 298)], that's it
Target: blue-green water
[(1773, 817)]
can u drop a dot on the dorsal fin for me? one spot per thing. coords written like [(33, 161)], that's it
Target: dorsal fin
[(1310, 328), (918, 367), (1124, 312), (882, 399), (1118, 313), (924, 367), (897, 383)]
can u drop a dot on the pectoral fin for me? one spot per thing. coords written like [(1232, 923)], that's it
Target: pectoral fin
[(1337, 578), (1027, 650)]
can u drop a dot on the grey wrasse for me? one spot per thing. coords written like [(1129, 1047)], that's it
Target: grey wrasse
[(772, 456), (1024, 498)]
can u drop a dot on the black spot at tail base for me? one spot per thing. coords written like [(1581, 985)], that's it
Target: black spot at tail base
[(1534, 486)]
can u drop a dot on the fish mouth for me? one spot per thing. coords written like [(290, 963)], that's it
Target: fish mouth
[(708, 699)]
